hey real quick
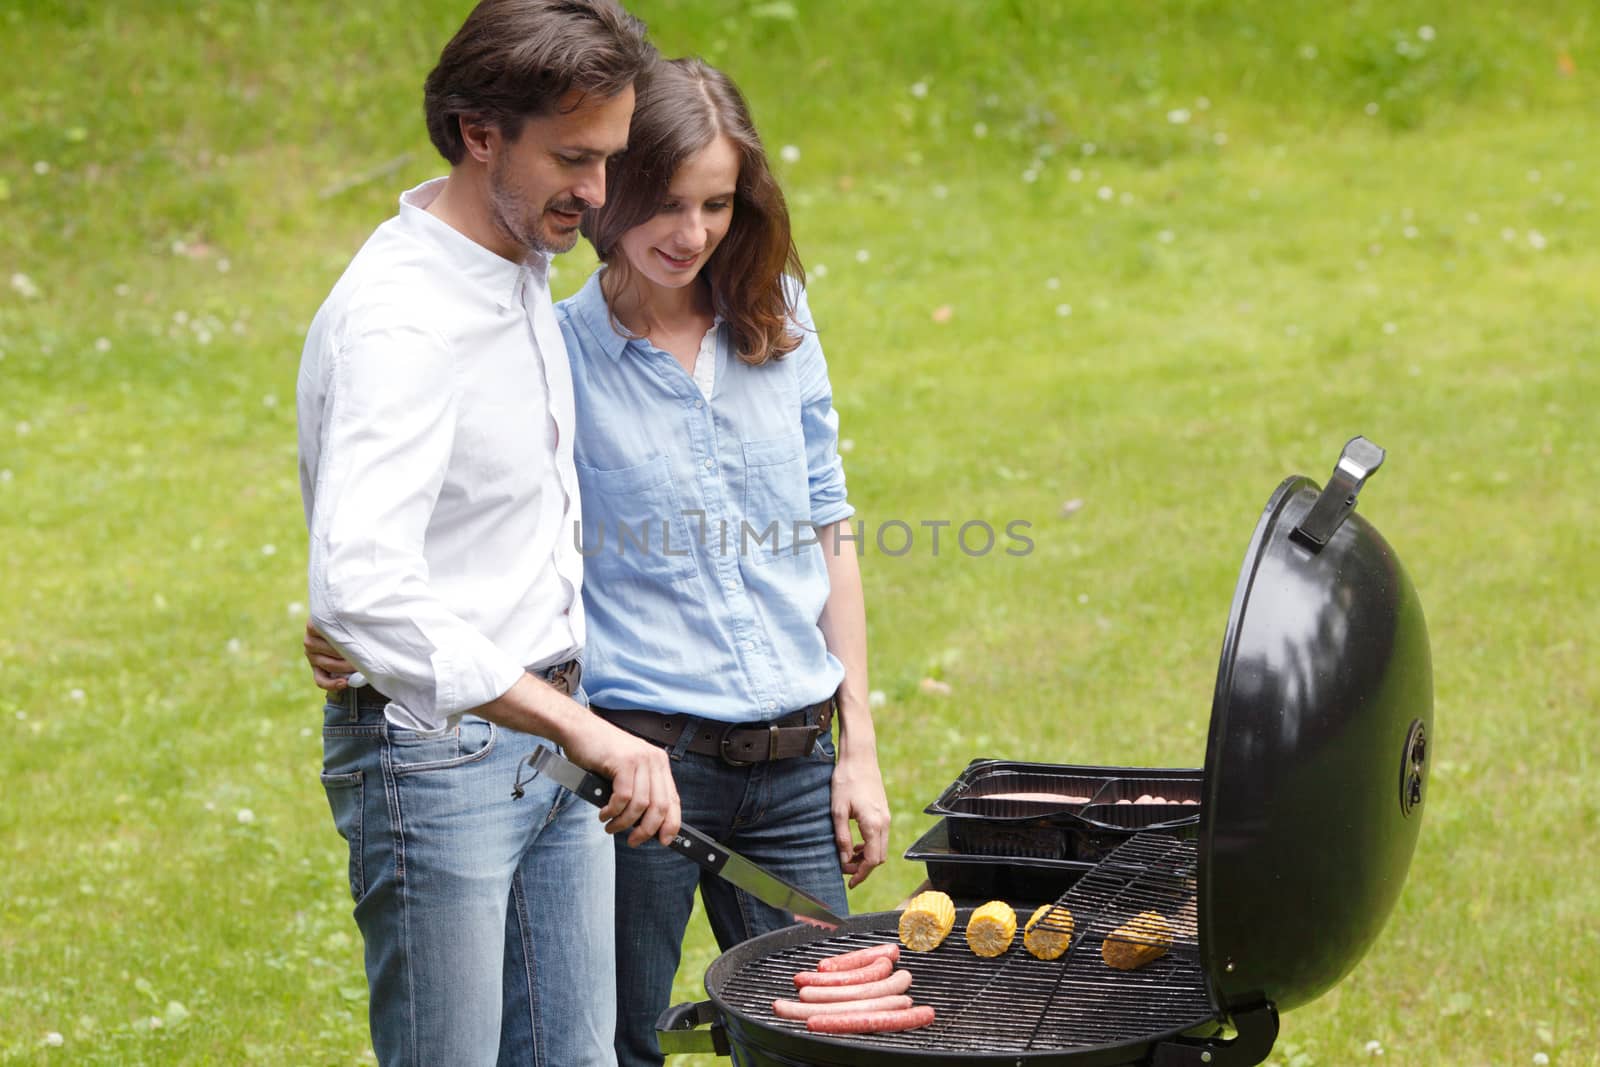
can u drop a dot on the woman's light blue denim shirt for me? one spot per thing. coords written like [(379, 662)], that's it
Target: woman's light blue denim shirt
[(703, 581)]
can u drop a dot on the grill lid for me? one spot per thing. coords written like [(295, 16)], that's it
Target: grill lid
[(1316, 761)]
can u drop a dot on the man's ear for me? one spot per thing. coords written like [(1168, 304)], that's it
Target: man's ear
[(481, 138)]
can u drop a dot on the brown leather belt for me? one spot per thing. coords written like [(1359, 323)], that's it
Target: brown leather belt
[(736, 743), (562, 677)]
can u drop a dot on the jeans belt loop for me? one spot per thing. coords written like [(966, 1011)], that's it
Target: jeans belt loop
[(772, 741)]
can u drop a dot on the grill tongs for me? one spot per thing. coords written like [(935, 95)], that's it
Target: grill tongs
[(725, 863)]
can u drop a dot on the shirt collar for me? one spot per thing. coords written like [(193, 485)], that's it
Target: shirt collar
[(590, 305), (497, 275)]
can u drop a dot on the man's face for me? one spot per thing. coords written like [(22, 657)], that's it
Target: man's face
[(540, 184)]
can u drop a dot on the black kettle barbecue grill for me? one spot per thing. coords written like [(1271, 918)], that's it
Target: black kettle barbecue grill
[(1314, 783)]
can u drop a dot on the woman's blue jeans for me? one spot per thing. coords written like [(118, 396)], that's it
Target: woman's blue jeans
[(775, 814), (487, 920)]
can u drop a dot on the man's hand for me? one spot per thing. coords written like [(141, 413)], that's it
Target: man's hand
[(643, 794), (330, 669), (858, 795)]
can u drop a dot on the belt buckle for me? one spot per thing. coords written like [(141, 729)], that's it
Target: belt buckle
[(722, 747)]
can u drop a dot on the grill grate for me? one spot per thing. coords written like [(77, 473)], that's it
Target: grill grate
[(1017, 1003)]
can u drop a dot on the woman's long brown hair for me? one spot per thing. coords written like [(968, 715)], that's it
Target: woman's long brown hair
[(682, 105)]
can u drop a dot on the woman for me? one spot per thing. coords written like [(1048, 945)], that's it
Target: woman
[(725, 617), (705, 420)]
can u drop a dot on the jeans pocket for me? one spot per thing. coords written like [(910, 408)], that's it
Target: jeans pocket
[(346, 797), (410, 752)]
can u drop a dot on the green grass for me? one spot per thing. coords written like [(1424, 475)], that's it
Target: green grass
[(1318, 220)]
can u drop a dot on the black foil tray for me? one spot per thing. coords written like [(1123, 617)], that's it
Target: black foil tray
[(985, 817), (980, 878)]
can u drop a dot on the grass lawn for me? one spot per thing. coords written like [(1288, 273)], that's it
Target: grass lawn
[(1151, 258)]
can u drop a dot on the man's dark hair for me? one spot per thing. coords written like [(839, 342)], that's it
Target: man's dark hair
[(516, 59)]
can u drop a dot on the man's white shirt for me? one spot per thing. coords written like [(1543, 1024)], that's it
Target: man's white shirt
[(436, 423)]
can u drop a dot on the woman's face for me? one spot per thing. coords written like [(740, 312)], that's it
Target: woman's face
[(694, 216)]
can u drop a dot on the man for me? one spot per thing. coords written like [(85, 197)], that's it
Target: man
[(436, 428)]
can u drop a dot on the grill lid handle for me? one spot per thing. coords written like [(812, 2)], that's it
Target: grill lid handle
[(1359, 460)]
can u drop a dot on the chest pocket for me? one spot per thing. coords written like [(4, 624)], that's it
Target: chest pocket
[(777, 499), (633, 525)]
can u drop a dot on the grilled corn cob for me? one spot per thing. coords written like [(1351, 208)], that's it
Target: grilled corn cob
[(1049, 931), (991, 928), (1143, 938), (927, 921)]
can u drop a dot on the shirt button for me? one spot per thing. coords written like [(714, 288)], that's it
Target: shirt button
[(709, 463), (698, 404), (771, 704), (749, 646), (730, 585)]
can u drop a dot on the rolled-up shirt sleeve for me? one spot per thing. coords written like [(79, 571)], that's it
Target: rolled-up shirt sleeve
[(820, 424), (388, 428)]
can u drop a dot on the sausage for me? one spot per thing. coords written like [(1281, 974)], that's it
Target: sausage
[(898, 982), (876, 971), (871, 1022), (850, 961), (794, 1009)]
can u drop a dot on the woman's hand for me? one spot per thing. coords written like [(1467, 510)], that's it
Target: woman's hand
[(330, 669), (858, 796)]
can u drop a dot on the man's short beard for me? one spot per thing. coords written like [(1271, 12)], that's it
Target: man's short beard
[(507, 211)]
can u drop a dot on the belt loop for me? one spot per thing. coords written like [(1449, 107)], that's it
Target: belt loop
[(685, 737), (772, 741), (352, 703)]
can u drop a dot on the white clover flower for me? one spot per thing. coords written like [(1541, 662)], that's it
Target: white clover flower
[(847, 444), (1064, 310), (246, 816), (1178, 116), (1390, 328), (1540, 1058), (41, 167), (789, 153), (1105, 192), (1371, 108), (54, 1039), (269, 550), (1166, 237), (919, 89), (23, 286), (1219, 138), (1074, 175), (862, 255), (1411, 233), (1536, 240), (980, 129), (1030, 175), (1052, 283), (295, 608), (819, 271), (1308, 52), (1426, 33), (877, 698), (76, 695), (1374, 1048), (102, 344)]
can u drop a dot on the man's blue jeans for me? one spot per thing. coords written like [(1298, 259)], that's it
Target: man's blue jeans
[(487, 920), (775, 814)]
